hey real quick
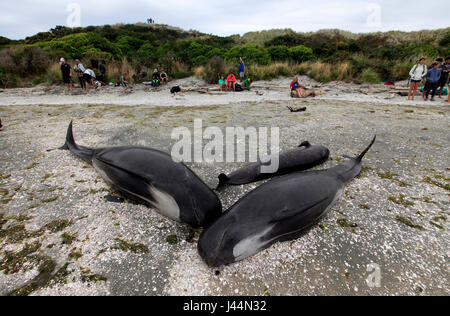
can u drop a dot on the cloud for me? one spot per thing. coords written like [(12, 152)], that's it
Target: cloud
[(23, 18)]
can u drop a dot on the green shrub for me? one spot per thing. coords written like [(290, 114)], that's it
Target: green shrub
[(252, 54), (369, 76), (301, 54), (279, 53), (214, 68)]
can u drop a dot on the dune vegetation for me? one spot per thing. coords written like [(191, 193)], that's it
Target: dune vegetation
[(326, 55)]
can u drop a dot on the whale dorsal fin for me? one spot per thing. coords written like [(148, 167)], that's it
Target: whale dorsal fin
[(286, 213)]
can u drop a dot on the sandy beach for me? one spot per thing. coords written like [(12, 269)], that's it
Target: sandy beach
[(59, 236)]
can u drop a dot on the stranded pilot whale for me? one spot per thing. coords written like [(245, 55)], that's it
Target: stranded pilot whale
[(151, 177), (280, 210), (302, 158)]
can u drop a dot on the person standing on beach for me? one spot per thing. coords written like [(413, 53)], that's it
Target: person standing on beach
[(242, 70), (67, 73), (433, 77), (124, 83), (445, 69), (79, 69), (417, 73)]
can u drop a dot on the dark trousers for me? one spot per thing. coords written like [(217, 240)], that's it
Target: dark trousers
[(82, 83), (430, 86)]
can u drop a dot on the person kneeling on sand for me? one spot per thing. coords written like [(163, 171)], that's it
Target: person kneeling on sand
[(164, 77), (247, 83), (89, 76), (231, 82), (124, 83), (296, 88)]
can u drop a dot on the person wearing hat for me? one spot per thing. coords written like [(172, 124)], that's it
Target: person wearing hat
[(231, 82), (79, 69), (66, 71), (156, 82)]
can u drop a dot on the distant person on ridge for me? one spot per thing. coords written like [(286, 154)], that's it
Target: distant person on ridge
[(67, 73), (445, 69), (433, 77), (79, 69), (231, 82), (417, 73)]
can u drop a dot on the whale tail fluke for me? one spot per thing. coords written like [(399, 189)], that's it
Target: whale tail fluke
[(360, 157), (81, 152), (223, 179)]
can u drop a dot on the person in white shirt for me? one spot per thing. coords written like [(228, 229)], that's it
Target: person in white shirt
[(89, 76), (79, 69), (417, 73)]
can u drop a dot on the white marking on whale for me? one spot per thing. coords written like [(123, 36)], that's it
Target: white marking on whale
[(163, 202), (253, 244)]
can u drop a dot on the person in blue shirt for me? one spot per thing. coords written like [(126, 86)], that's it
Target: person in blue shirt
[(433, 76), (242, 70)]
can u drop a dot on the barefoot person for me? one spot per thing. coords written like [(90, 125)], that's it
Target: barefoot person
[(79, 69), (296, 88), (242, 70), (417, 73), (445, 69), (231, 82), (222, 83), (433, 76), (66, 71), (89, 76), (164, 77), (124, 82)]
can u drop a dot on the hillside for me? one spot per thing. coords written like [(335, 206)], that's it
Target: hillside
[(335, 54)]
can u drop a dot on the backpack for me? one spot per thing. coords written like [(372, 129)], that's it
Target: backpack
[(238, 88), (175, 89)]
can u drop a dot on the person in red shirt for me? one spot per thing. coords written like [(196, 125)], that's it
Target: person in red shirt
[(231, 82), (297, 87)]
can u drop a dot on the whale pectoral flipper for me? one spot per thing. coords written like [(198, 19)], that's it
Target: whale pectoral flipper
[(286, 213)]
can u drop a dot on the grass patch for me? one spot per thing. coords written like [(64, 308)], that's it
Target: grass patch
[(408, 222), (401, 201), (132, 247)]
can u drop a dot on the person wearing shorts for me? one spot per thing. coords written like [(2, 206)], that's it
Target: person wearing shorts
[(66, 71), (89, 76), (124, 83), (417, 73), (164, 77), (242, 70)]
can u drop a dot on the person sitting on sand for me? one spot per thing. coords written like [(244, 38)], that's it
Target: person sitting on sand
[(231, 82), (247, 83), (164, 77), (124, 82), (296, 88), (66, 71), (433, 77), (156, 79), (89, 76), (222, 83), (417, 73)]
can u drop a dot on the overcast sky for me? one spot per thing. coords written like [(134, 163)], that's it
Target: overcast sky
[(19, 19)]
